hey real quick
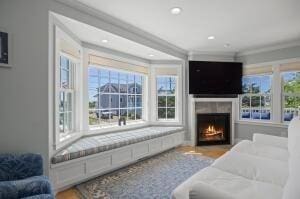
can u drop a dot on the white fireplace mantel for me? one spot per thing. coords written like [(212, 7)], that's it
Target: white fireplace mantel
[(192, 116)]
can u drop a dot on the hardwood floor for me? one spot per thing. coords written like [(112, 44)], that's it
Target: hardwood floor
[(209, 151)]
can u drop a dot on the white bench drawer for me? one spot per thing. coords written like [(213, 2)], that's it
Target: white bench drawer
[(140, 150), (98, 165), (121, 156)]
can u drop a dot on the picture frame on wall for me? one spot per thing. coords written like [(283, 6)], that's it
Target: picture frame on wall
[(5, 49)]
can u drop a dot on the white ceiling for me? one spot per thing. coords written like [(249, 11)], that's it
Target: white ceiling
[(93, 35), (245, 24)]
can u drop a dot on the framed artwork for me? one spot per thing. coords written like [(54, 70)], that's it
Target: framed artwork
[(5, 59)]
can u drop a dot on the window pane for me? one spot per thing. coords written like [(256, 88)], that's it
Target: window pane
[(246, 85), (291, 107), (114, 82), (265, 84), (123, 113), (93, 82), (104, 84), (265, 107), (61, 101), (61, 122), (64, 78), (123, 101), (291, 82), (161, 85), (171, 113), (131, 101), (123, 83), (171, 101), (68, 121), (114, 101), (162, 113), (131, 114), (139, 101), (138, 113), (170, 85), (255, 107), (138, 84), (161, 101), (64, 62), (114, 118), (94, 117), (104, 117), (131, 85), (93, 99), (68, 102), (104, 101)]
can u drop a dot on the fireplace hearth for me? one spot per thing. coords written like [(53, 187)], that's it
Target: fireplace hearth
[(213, 129)]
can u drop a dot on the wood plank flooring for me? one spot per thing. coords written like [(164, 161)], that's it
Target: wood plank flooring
[(209, 151)]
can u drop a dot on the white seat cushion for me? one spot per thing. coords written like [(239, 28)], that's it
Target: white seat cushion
[(236, 186), (253, 167), (257, 149)]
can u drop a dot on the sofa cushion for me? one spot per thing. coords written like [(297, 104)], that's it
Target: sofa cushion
[(261, 150), (203, 190), (99, 143), (291, 189), (233, 185), (253, 167)]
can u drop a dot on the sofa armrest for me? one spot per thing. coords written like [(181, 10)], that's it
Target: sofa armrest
[(271, 140), (205, 191), (17, 167)]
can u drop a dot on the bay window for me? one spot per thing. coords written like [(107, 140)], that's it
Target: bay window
[(114, 95), (290, 95), (166, 97), (256, 100)]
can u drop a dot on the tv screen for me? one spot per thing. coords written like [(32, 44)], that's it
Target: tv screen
[(215, 78)]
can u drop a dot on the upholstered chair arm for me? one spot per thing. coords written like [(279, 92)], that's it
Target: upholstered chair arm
[(16, 167), (202, 190)]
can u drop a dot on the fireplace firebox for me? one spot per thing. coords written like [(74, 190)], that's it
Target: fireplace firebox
[(213, 129)]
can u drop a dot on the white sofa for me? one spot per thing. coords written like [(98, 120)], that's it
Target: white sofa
[(266, 168)]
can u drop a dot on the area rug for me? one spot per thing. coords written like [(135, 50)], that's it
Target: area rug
[(153, 178)]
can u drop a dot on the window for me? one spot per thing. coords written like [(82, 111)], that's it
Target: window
[(255, 103), (291, 95), (66, 96), (166, 97), (114, 95)]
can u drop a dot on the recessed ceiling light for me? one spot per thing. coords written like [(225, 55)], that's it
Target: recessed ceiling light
[(211, 37), (176, 10), (150, 55), (104, 40), (227, 45)]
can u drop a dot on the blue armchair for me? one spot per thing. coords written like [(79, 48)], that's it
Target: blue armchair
[(21, 177)]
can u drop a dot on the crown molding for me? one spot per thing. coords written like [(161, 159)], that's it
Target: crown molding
[(269, 48), (123, 29)]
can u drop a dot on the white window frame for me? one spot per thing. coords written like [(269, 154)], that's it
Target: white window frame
[(283, 95), (166, 95), (60, 140), (260, 95), (129, 123)]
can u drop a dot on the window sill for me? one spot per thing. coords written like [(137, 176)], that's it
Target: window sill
[(114, 128), (262, 123), (67, 139)]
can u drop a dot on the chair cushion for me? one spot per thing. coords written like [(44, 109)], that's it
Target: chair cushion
[(16, 167), (261, 150), (96, 144), (253, 167), (233, 185), (24, 188)]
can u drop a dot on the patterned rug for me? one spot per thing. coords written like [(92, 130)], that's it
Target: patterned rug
[(153, 178)]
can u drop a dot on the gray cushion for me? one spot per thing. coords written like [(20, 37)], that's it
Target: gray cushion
[(99, 143)]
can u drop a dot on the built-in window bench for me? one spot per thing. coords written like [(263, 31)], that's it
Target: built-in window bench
[(95, 155)]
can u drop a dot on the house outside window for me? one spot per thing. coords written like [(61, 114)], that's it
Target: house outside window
[(114, 95), (66, 96), (290, 95), (166, 97), (256, 100)]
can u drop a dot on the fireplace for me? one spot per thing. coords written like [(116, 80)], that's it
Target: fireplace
[(213, 128)]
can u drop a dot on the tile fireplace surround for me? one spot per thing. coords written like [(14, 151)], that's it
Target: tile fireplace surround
[(211, 105)]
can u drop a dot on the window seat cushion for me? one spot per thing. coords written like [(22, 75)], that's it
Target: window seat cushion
[(99, 143)]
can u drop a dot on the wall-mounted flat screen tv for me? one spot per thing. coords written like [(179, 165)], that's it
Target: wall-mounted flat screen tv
[(215, 78)]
